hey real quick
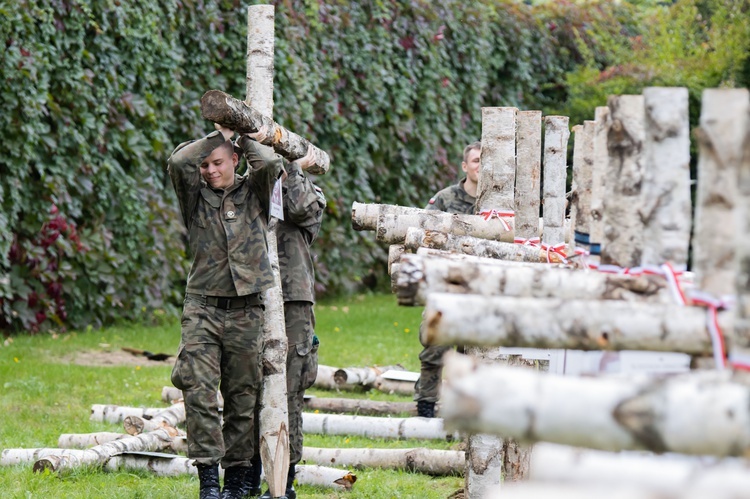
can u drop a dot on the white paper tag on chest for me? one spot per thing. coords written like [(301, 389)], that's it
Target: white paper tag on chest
[(277, 205)]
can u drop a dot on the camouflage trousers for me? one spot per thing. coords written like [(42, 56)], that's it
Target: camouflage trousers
[(301, 369), (220, 349), (427, 387)]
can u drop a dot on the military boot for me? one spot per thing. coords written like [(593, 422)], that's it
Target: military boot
[(425, 409), (235, 482), (208, 474), (290, 493), (252, 481)]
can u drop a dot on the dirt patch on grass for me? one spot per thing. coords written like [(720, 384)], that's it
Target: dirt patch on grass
[(104, 358)]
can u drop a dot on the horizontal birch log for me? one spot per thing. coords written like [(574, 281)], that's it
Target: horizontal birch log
[(416, 238), (324, 379), (420, 460), (168, 418), (322, 476), (115, 414), (667, 474), (699, 413), (479, 260), (419, 276), (564, 323), (360, 406), (97, 456), (394, 255), (235, 114), (362, 376), (365, 215), (364, 426), (86, 440), (171, 394), (579, 491), (394, 387), (392, 228)]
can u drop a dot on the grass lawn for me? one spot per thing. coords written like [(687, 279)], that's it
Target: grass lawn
[(47, 392)]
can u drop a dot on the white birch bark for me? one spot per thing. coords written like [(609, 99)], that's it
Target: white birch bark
[(666, 206), (599, 169), (392, 228), (580, 491), (556, 136), (116, 414), (478, 260), (420, 460), (528, 173), (723, 126), (374, 427), (365, 215), (394, 254), (740, 337), (274, 415), (699, 413), (498, 159), (394, 275), (96, 456), (583, 167), (321, 476), (170, 394), (623, 227), (168, 418), (666, 474), (563, 323), (425, 238), (418, 277), (361, 376), (324, 379), (394, 387), (86, 440), (363, 407)]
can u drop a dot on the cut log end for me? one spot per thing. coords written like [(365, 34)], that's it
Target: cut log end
[(47, 463), (211, 103), (346, 481)]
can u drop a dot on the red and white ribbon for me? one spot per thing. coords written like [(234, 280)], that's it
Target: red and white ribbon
[(535, 242), (501, 214), (713, 305)]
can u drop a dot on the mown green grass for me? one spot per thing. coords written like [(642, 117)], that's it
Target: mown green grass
[(44, 395)]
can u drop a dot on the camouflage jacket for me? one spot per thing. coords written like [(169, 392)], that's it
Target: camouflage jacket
[(226, 228), (303, 213), (453, 199)]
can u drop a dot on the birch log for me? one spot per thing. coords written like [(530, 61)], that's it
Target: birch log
[(321, 476), (666, 206), (583, 166), (665, 474), (580, 491), (556, 136), (394, 254), (420, 460), (273, 415), (116, 414), (324, 379), (623, 229), (600, 165), (498, 159), (418, 277), (373, 427), (364, 407), (392, 228), (97, 456), (169, 418), (528, 174), (394, 387), (562, 323), (699, 413), (232, 113), (425, 238), (365, 215), (86, 440), (171, 394), (361, 376), (740, 339), (723, 125), (393, 271)]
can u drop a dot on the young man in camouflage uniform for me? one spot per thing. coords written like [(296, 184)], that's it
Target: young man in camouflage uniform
[(303, 214), (459, 198), (221, 345)]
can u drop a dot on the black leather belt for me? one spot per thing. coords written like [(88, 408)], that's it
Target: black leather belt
[(230, 302)]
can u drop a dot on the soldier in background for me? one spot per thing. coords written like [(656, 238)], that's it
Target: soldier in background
[(303, 214), (221, 345), (459, 198)]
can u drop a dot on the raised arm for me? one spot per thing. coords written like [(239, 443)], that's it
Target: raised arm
[(263, 168), (304, 202)]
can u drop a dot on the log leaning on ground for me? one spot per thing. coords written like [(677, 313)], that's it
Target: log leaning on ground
[(699, 413), (497, 173), (528, 173), (420, 460), (392, 228), (425, 238), (563, 323), (334, 424), (86, 440), (418, 277), (107, 413), (360, 406), (232, 113), (169, 417)]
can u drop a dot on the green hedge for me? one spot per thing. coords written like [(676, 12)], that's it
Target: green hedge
[(97, 93)]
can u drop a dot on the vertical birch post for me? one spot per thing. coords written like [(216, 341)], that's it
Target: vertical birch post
[(600, 164), (720, 137), (274, 414), (740, 342), (528, 174), (580, 210), (666, 206), (556, 136), (623, 230), (485, 454)]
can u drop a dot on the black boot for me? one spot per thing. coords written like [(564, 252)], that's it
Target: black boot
[(290, 493), (235, 482), (252, 481), (425, 409), (208, 474)]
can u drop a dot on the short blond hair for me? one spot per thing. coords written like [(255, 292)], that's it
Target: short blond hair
[(474, 145)]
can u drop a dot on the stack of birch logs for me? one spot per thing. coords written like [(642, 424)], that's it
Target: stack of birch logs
[(620, 283)]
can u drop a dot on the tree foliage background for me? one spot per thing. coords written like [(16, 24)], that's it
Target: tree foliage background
[(97, 93)]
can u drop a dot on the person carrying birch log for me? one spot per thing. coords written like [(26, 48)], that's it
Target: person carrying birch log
[(459, 198), (303, 214), (221, 345)]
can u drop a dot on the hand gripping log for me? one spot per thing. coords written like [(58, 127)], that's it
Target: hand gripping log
[(235, 114)]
